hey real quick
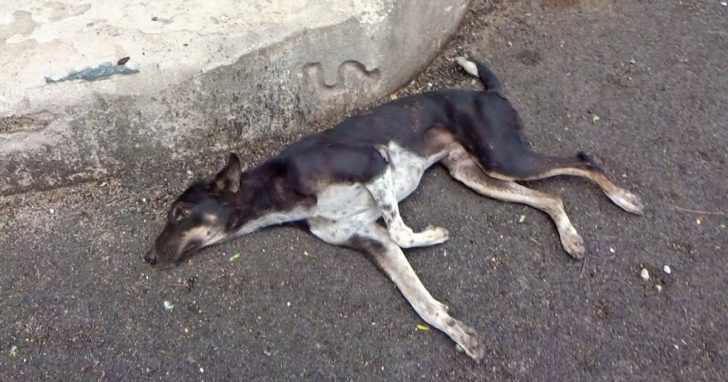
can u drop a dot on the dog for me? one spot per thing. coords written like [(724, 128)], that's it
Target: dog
[(342, 181)]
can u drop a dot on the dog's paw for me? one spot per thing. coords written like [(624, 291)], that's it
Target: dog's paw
[(471, 344), (573, 243), (628, 201), (435, 235)]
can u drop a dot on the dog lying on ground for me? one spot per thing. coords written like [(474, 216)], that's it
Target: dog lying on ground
[(343, 180)]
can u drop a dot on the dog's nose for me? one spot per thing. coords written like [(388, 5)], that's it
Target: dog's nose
[(151, 257)]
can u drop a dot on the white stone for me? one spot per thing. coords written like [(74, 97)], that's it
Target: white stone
[(645, 274)]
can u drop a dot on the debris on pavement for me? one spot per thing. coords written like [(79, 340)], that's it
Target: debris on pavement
[(168, 306), (423, 327), (645, 274), (235, 256), (102, 71), (667, 269)]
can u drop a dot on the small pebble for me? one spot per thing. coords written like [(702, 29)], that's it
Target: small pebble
[(522, 218), (667, 269), (645, 274), (202, 370), (52, 211), (595, 118), (611, 250), (697, 221), (659, 287), (168, 305)]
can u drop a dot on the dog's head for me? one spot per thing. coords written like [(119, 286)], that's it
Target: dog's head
[(203, 215)]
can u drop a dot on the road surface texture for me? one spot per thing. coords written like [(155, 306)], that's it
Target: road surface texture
[(640, 85)]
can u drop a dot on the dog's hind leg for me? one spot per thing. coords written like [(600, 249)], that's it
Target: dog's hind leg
[(523, 164), (375, 241), (383, 191), (463, 167)]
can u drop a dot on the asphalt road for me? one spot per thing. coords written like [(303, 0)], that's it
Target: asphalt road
[(640, 85)]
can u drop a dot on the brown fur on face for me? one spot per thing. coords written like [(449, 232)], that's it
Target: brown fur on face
[(200, 217)]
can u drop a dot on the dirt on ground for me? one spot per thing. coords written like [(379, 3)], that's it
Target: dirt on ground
[(640, 85)]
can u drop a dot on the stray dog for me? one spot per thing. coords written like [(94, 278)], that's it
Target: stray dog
[(343, 180)]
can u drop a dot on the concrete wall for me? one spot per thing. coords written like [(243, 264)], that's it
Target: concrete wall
[(211, 75)]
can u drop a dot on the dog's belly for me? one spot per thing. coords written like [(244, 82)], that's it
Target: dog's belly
[(408, 168), (345, 200)]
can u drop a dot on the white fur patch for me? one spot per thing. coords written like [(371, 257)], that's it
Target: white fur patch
[(467, 65), (340, 201), (273, 219)]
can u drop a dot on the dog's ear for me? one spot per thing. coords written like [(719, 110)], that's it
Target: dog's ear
[(228, 179)]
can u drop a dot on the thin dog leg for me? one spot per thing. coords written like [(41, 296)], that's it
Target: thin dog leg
[(464, 168), (375, 241), (618, 195), (533, 166), (383, 191)]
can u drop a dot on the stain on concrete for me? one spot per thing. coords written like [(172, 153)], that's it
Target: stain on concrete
[(529, 57), (30, 122), (23, 25)]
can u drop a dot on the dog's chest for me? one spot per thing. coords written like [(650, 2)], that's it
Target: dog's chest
[(338, 201)]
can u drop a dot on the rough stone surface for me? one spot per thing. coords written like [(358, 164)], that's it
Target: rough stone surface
[(212, 75)]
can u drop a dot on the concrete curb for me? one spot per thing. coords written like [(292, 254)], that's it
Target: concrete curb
[(65, 132)]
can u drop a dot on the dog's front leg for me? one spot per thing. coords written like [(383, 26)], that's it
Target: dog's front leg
[(383, 191), (375, 241)]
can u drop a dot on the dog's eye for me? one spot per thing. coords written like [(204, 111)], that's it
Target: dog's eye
[(181, 212)]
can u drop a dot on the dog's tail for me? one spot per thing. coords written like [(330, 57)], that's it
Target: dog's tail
[(477, 69)]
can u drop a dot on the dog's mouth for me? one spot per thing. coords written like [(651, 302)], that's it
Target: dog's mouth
[(152, 257)]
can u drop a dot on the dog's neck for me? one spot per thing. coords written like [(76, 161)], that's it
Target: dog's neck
[(265, 198)]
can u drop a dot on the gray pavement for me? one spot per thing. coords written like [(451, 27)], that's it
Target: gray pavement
[(641, 86)]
